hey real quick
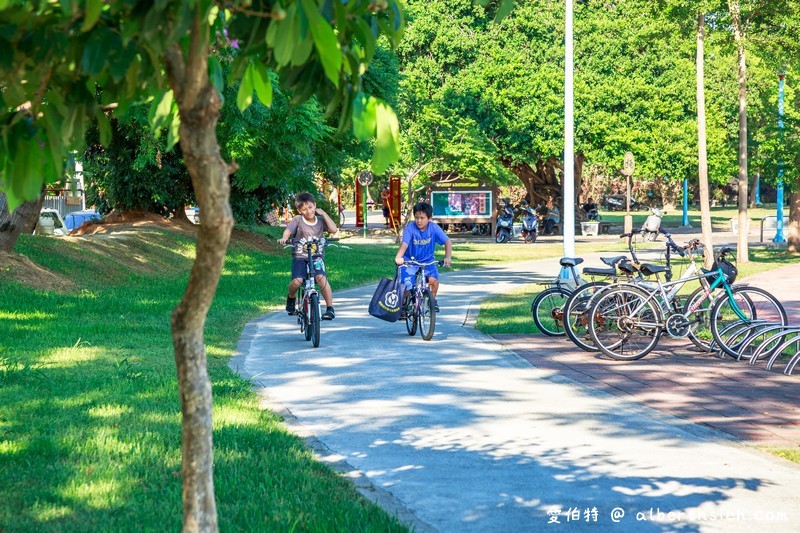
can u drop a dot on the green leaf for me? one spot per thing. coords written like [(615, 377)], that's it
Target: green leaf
[(503, 10), (262, 84), (160, 110), (364, 117), (325, 42), (285, 36), (94, 55), (173, 134), (387, 142), (245, 95), (302, 51), (215, 74), (93, 8), (105, 128)]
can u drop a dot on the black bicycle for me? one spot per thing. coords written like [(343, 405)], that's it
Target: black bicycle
[(308, 314)]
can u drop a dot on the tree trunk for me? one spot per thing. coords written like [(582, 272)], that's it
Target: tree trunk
[(199, 105), (702, 150), (742, 255), (793, 229), (22, 220), (756, 185)]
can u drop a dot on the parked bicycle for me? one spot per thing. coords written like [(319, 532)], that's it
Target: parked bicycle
[(627, 321), (308, 313), (419, 305), (580, 302), (547, 309)]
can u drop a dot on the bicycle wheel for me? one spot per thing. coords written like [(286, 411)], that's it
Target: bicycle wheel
[(305, 325), (700, 318), (427, 315), (411, 314), (576, 313), (313, 319), (625, 325), (754, 304), (548, 311)]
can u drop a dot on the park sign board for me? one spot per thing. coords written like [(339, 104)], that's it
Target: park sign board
[(456, 204)]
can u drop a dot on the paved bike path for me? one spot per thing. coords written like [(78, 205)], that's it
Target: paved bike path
[(460, 434)]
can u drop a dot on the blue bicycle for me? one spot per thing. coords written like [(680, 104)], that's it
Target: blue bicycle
[(419, 305)]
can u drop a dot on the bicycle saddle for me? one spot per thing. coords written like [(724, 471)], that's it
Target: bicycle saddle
[(570, 261), (592, 271), (612, 261), (648, 269)]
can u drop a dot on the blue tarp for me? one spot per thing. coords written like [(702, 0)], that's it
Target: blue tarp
[(77, 218)]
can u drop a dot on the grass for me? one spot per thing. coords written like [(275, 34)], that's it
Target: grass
[(720, 217)]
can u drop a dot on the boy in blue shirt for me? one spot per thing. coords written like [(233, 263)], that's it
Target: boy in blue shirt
[(419, 241)]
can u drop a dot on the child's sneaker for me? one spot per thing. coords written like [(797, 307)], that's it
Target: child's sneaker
[(290, 305), (329, 314)]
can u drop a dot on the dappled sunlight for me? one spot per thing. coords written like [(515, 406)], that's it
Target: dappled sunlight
[(109, 411), (95, 493)]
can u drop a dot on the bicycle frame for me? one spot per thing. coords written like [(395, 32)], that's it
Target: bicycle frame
[(420, 283), (419, 316), (720, 280)]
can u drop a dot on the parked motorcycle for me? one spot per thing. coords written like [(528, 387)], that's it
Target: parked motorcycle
[(505, 222), (617, 202), (530, 223)]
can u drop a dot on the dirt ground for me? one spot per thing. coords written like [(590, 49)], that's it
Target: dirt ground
[(20, 268)]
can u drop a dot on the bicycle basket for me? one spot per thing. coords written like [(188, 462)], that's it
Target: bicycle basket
[(728, 268)]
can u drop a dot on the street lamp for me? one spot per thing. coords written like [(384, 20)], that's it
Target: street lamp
[(568, 191), (779, 191)]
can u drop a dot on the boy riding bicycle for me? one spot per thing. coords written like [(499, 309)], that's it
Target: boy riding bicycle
[(419, 241), (306, 225)]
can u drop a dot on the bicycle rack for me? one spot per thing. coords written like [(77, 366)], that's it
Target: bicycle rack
[(736, 328), (783, 340), (751, 334), (775, 339)]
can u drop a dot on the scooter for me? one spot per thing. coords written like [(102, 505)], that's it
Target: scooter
[(652, 225), (530, 223), (505, 223)]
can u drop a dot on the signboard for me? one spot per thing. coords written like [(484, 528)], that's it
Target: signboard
[(462, 204), (628, 164)]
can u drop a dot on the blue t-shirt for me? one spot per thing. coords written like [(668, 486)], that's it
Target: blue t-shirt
[(422, 244)]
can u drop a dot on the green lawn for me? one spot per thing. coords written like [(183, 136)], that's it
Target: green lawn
[(720, 217)]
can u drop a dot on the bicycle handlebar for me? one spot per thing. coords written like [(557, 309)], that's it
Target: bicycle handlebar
[(413, 262)]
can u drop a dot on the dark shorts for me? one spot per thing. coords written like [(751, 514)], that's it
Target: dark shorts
[(299, 267), (407, 274)]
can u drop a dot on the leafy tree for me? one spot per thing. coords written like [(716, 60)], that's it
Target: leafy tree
[(64, 63), (135, 172)]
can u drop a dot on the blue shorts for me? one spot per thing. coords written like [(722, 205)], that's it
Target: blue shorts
[(407, 274), (299, 267)]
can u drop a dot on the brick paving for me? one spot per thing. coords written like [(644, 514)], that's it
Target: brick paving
[(757, 406)]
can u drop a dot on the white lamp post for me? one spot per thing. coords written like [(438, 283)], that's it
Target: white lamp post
[(568, 193)]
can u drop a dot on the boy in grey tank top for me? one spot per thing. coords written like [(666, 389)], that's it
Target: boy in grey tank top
[(308, 224)]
